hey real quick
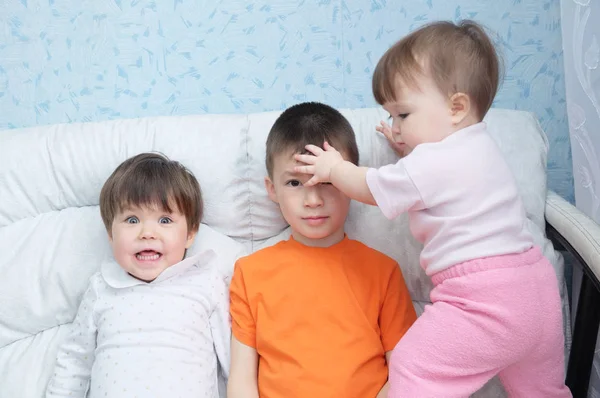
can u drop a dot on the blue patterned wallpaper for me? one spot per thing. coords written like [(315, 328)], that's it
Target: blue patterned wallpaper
[(90, 60)]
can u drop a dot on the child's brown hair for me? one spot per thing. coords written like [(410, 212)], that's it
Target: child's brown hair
[(152, 179), (310, 123), (459, 58)]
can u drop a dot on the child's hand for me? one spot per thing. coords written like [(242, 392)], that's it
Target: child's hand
[(319, 164), (386, 130)]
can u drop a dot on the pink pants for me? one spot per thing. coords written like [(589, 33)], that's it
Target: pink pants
[(497, 315)]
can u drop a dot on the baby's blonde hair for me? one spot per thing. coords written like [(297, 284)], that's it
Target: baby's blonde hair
[(460, 58)]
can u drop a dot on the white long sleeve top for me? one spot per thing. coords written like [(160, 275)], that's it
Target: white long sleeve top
[(131, 338)]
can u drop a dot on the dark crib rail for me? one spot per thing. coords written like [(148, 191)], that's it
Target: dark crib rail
[(587, 321)]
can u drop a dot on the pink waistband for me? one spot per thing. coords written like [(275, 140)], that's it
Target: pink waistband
[(528, 257)]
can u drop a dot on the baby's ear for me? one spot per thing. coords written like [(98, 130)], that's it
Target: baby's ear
[(190, 239), (460, 107)]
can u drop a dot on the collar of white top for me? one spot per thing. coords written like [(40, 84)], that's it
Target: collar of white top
[(472, 129), (118, 278)]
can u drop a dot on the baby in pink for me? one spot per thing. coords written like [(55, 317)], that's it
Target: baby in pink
[(496, 306)]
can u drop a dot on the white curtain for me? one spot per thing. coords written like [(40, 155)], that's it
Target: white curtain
[(581, 32)]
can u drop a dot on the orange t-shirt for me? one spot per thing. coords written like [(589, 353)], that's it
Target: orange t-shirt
[(320, 319)]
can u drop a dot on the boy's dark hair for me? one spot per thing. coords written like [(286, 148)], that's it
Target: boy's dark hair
[(310, 123), (459, 58), (151, 179)]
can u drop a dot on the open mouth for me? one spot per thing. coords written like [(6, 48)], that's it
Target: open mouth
[(148, 255)]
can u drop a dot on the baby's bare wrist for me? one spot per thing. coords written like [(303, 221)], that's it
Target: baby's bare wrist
[(332, 172)]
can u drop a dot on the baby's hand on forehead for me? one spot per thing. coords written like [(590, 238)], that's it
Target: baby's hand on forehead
[(319, 164)]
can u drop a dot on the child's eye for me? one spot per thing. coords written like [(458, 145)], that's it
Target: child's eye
[(326, 183), (293, 183), (132, 220), (390, 117), (165, 220), (403, 116)]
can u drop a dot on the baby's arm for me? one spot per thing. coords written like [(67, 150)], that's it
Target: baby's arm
[(389, 187), (219, 324), (328, 165), (243, 377), (76, 355)]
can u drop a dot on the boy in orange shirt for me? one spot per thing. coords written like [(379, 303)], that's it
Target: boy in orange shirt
[(317, 315)]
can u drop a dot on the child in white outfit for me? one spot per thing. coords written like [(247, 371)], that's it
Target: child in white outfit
[(152, 323), (496, 305)]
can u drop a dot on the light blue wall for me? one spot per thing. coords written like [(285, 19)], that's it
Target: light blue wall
[(74, 60)]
